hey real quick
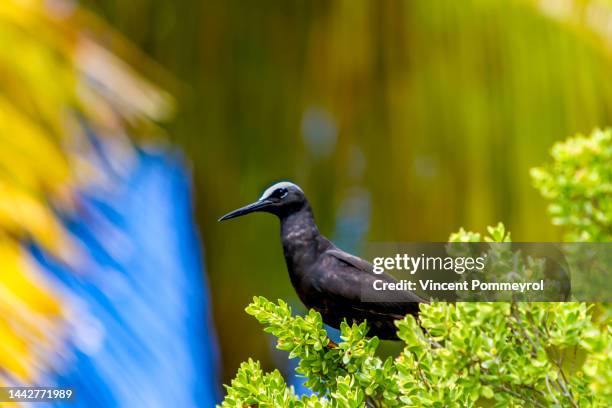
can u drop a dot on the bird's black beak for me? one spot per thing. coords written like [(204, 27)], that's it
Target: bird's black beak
[(247, 209)]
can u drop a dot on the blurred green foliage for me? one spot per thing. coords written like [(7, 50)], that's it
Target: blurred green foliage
[(56, 78), (416, 116)]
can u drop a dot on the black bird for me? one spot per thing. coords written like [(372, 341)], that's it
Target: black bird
[(326, 278)]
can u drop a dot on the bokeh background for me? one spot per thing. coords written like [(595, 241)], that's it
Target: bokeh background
[(401, 120)]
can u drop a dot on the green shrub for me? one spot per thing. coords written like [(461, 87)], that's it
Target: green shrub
[(464, 354), (579, 185)]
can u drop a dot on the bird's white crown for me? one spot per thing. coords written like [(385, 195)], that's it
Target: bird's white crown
[(282, 184)]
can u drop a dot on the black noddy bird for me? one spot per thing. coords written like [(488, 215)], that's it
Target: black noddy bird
[(326, 278)]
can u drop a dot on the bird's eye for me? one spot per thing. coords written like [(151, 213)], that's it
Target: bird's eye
[(280, 193)]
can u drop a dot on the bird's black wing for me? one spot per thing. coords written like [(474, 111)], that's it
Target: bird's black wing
[(352, 260), (348, 278)]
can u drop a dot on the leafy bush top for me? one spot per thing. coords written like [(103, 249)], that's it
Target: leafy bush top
[(579, 185), (461, 355)]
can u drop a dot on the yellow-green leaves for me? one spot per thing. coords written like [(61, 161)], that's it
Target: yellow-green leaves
[(520, 354), (252, 387), (579, 185)]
